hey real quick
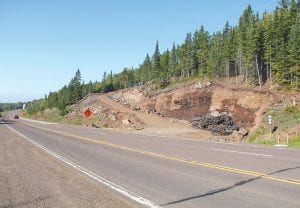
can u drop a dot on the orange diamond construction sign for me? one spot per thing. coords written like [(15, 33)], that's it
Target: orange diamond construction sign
[(88, 113)]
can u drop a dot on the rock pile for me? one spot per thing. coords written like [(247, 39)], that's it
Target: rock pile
[(221, 125)]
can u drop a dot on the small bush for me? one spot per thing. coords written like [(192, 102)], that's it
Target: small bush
[(292, 109)]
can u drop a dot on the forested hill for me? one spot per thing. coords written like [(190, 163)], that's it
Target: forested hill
[(261, 47)]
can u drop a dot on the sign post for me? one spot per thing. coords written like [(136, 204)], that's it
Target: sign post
[(87, 113), (270, 122)]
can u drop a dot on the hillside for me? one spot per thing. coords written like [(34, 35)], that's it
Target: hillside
[(170, 112), (256, 60)]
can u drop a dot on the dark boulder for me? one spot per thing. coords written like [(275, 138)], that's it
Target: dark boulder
[(221, 125)]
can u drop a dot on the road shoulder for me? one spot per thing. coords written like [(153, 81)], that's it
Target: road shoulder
[(32, 178)]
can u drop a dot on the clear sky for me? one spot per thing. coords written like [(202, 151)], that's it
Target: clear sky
[(43, 42)]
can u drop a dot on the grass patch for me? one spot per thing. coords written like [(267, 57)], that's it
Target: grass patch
[(262, 136), (49, 115), (54, 115), (284, 118), (294, 142)]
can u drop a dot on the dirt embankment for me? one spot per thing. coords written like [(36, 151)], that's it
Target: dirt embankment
[(171, 111), (189, 101), (105, 113)]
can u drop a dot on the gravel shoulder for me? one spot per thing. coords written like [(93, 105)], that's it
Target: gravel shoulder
[(30, 177)]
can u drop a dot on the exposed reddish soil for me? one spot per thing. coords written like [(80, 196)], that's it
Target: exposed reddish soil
[(192, 100), (170, 111)]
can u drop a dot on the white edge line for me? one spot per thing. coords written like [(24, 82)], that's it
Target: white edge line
[(36, 121), (246, 153), (96, 177)]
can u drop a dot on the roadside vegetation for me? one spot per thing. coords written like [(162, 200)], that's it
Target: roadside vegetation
[(285, 128), (10, 106), (53, 115), (5, 107)]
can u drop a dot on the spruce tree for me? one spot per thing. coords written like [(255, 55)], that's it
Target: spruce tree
[(294, 54), (173, 61), (201, 43), (75, 87), (156, 61)]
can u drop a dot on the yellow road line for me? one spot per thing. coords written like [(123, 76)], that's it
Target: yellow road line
[(173, 158)]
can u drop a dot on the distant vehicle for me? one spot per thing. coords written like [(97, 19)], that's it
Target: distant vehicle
[(16, 117)]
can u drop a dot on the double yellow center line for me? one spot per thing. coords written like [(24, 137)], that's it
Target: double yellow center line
[(173, 158)]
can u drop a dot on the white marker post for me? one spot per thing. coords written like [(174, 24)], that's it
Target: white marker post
[(270, 121)]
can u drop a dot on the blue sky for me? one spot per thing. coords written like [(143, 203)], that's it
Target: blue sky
[(42, 43)]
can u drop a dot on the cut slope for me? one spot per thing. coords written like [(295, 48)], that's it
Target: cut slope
[(189, 101)]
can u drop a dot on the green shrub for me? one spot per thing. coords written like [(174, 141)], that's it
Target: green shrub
[(292, 109), (294, 141)]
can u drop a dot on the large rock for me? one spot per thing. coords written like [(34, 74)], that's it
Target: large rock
[(222, 124)]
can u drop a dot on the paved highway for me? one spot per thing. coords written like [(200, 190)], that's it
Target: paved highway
[(152, 171)]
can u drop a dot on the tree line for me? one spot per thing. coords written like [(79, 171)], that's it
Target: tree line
[(258, 49), (10, 106)]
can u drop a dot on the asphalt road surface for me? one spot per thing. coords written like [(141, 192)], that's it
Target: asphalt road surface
[(152, 171)]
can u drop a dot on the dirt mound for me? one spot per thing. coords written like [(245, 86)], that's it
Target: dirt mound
[(104, 114)]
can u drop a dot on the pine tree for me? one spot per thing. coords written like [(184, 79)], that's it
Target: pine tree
[(75, 87), (226, 50), (256, 47), (294, 54), (148, 66), (165, 65), (156, 61), (215, 56), (201, 43), (268, 43), (245, 55), (187, 57), (173, 61)]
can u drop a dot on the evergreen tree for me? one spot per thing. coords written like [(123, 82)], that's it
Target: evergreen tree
[(201, 44), (226, 50), (147, 65), (165, 66), (187, 57), (268, 43), (244, 50), (215, 57), (294, 54), (75, 87), (173, 61), (156, 62)]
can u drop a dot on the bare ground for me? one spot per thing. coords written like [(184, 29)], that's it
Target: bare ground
[(170, 111), (154, 124)]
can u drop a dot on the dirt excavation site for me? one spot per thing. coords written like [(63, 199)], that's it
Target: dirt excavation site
[(200, 110)]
